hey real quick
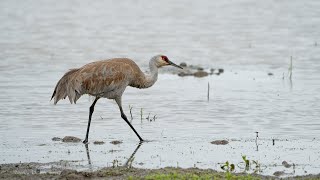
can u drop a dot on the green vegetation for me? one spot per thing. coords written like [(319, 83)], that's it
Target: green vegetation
[(227, 166), (246, 162), (253, 165)]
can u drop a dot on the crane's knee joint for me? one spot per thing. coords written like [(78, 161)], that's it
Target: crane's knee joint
[(123, 116), (91, 108)]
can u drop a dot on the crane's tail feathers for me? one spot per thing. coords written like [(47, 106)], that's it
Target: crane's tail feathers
[(66, 86)]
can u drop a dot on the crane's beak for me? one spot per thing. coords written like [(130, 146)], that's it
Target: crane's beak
[(173, 64)]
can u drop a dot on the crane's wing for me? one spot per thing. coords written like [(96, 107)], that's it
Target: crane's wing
[(107, 78)]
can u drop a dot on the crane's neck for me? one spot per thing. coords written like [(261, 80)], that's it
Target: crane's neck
[(152, 76)]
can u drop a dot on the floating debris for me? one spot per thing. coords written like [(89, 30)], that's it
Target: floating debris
[(185, 74), (116, 142), (270, 74), (194, 70), (71, 139), (200, 73), (114, 151), (200, 69), (56, 139), (183, 64), (286, 164), (220, 142), (278, 173), (98, 142)]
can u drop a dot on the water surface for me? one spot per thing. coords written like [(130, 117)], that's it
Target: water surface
[(40, 40)]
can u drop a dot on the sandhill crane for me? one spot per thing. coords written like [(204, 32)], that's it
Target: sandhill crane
[(107, 79)]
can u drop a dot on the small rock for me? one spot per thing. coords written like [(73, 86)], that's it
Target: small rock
[(183, 64), (270, 74), (200, 74), (98, 142), (221, 70), (286, 164), (220, 142), (278, 173), (71, 139), (56, 139), (116, 142)]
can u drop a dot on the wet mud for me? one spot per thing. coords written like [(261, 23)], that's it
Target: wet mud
[(38, 171)]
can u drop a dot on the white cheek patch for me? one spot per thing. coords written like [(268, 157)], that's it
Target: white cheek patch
[(161, 62), (166, 63)]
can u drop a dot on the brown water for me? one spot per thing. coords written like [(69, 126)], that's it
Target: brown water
[(40, 40)]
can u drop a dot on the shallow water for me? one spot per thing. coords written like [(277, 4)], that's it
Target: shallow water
[(40, 40)]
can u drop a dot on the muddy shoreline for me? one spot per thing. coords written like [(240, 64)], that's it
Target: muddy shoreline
[(56, 170)]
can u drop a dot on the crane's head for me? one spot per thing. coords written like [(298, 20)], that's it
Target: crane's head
[(162, 60)]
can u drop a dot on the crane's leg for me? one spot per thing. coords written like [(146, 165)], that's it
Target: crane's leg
[(91, 109), (124, 117)]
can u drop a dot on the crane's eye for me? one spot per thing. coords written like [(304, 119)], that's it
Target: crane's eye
[(165, 58)]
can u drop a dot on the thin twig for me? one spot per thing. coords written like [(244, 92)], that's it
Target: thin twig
[(148, 118), (130, 107), (257, 136), (208, 95), (290, 68)]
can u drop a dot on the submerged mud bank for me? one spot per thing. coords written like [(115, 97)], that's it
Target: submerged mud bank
[(51, 171), (194, 70)]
